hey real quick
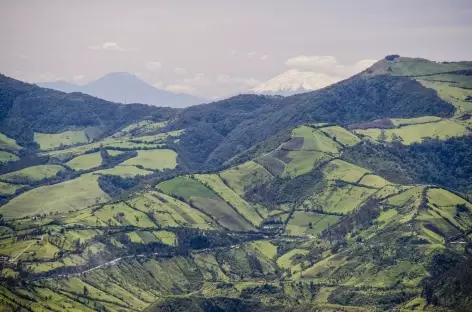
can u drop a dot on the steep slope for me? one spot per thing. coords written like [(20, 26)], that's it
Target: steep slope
[(26, 109), (126, 88)]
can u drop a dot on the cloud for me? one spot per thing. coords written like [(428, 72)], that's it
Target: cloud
[(223, 78), (158, 84), (311, 62), (237, 81), (180, 71), (198, 80), (153, 66), (328, 65), (48, 76), (364, 64), (251, 54), (107, 46), (24, 56), (247, 81), (180, 88), (233, 53), (78, 78), (264, 57)]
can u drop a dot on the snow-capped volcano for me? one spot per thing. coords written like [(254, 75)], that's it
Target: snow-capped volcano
[(294, 81)]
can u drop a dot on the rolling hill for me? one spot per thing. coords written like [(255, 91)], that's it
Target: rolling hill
[(355, 197)]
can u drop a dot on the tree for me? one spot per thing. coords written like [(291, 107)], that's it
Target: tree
[(85, 291), (382, 136), (396, 139)]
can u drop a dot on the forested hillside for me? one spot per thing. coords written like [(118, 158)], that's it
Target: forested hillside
[(27, 108), (238, 123), (356, 197)]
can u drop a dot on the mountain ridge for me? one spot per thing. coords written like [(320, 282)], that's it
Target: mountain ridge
[(123, 87)]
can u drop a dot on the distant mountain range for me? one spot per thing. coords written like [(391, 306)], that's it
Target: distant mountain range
[(126, 88), (294, 81)]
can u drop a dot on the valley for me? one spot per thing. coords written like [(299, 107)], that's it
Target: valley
[(355, 197)]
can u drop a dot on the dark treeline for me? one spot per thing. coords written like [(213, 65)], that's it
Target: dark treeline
[(286, 190), (23, 162), (450, 281), (433, 161)]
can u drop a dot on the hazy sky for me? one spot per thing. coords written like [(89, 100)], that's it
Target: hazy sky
[(215, 48)]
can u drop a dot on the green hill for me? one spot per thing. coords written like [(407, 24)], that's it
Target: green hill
[(356, 197)]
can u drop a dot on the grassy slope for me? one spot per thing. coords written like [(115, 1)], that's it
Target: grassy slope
[(49, 141), (35, 173), (444, 129), (84, 162), (8, 189), (8, 144), (70, 195), (154, 159), (6, 156)]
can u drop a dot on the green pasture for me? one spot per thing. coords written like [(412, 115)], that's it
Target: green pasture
[(85, 162), (8, 144), (310, 223), (123, 171), (444, 129), (62, 197), (303, 162), (245, 175), (49, 141), (227, 194), (154, 159), (341, 135), (6, 157), (9, 189), (341, 170), (34, 173)]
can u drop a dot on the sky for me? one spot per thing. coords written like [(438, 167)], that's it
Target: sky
[(215, 48)]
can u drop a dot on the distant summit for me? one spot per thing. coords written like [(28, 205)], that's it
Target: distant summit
[(122, 87), (294, 81)]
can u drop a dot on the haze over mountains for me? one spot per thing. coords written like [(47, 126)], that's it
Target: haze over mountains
[(122, 87)]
